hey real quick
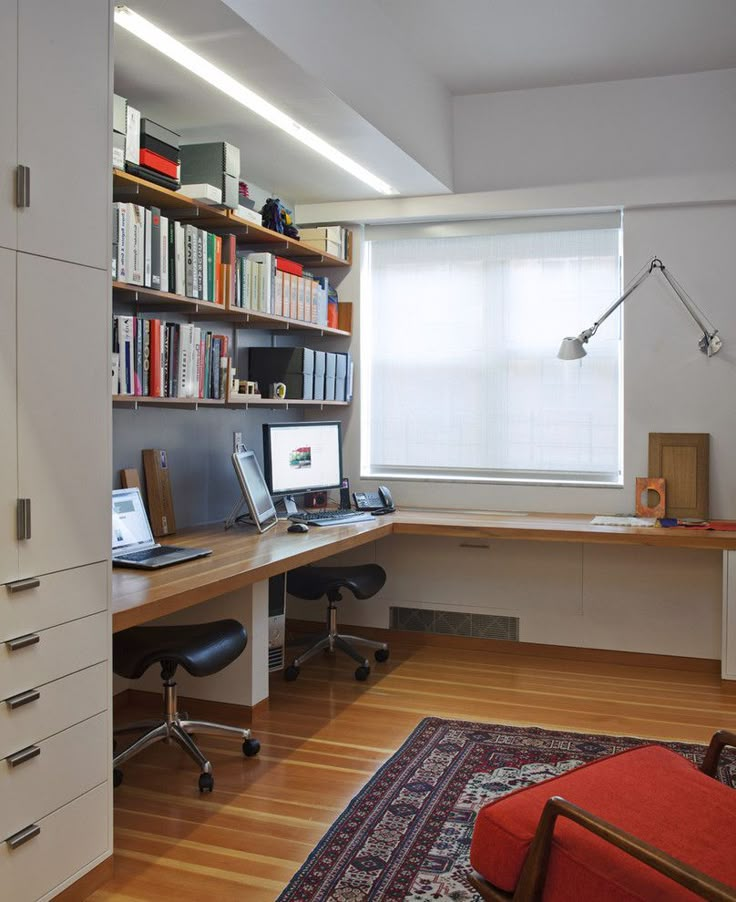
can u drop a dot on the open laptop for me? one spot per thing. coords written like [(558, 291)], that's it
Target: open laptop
[(132, 540)]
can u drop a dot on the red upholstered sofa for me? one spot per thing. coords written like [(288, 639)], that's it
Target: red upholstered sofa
[(642, 825)]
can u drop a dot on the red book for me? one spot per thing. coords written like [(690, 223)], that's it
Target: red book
[(155, 368), (285, 265), (159, 164), (230, 260)]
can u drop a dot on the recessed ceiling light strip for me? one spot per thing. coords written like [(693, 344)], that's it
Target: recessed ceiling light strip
[(149, 33)]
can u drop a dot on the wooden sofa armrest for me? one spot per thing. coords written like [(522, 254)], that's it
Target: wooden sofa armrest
[(534, 871), (718, 742)]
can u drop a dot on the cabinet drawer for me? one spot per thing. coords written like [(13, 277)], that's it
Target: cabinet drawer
[(43, 656), (59, 705), (67, 595), (68, 839), (53, 773)]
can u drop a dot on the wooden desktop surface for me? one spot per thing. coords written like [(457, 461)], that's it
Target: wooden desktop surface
[(242, 557)]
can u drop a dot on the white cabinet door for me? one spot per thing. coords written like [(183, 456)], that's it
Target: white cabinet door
[(64, 419), (8, 433), (64, 129), (8, 118)]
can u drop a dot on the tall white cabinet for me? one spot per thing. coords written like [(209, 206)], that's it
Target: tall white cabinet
[(55, 446)]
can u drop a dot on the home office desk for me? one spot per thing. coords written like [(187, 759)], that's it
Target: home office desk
[(242, 561)]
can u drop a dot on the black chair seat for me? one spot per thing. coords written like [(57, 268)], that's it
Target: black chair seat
[(312, 583), (201, 649)]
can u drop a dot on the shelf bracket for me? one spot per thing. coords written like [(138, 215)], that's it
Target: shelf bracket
[(181, 213)]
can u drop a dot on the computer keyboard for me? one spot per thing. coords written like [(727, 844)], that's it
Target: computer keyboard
[(149, 553), (330, 518)]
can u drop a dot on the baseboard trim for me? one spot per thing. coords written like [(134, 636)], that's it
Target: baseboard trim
[(86, 885), (205, 708), (505, 647)]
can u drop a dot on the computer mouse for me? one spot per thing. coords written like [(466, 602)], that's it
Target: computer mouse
[(298, 527)]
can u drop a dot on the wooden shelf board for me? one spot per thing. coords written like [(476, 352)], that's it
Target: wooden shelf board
[(271, 321), (286, 402), (150, 296), (251, 233), (123, 400)]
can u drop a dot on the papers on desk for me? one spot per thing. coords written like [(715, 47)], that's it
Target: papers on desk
[(623, 521)]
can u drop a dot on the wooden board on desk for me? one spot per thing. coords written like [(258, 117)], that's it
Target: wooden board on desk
[(682, 459)]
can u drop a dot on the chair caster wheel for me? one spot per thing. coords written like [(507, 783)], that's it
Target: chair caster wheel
[(117, 777), (251, 747), (381, 655), (361, 673), (206, 783), (291, 673)]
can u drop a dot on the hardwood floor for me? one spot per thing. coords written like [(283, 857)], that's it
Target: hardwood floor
[(326, 734)]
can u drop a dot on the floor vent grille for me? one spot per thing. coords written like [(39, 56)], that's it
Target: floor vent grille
[(454, 623)]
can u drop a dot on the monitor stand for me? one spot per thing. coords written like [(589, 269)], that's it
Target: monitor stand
[(236, 516), (290, 505)]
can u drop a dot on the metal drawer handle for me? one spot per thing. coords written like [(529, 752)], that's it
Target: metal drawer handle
[(22, 836), (33, 751), (23, 641), (23, 584), (24, 698)]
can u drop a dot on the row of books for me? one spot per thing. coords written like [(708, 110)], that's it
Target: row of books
[(150, 250), (266, 283), (157, 359)]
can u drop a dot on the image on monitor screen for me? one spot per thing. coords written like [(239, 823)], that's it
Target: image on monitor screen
[(302, 457)]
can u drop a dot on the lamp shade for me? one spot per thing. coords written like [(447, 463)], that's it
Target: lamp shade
[(571, 349)]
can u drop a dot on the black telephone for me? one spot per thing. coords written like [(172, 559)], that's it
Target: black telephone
[(374, 501)]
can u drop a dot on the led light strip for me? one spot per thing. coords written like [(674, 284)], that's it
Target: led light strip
[(176, 51)]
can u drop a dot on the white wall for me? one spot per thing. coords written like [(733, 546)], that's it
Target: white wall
[(661, 149), (641, 127)]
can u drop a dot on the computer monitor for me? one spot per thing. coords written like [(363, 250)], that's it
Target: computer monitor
[(255, 494), (302, 457)]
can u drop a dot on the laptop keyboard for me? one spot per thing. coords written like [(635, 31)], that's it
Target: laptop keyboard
[(148, 553)]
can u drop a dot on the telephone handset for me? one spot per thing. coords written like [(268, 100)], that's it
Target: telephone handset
[(380, 501)]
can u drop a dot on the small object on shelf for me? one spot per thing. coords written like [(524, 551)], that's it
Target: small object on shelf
[(250, 388), (277, 390), (132, 135), (249, 215), (647, 508), (682, 458), (278, 218), (203, 192)]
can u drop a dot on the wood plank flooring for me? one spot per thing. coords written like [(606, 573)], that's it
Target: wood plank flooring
[(326, 734)]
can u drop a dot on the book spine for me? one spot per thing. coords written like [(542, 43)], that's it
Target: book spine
[(147, 246), (135, 247), (190, 261), (183, 361), (180, 256), (146, 357), (201, 263), (222, 388), (209, 239), (155, 359), (201, 365), (207, 365), (138, 370), (115, 239), (122, 210), (215, 366), (220, 272), (155, 249)]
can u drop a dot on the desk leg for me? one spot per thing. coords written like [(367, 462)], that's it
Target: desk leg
[(254, 617), (728, 623)]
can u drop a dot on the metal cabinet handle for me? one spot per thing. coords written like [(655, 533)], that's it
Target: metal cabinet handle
[(23, 698), (23, 641), (20, 757), (23, 186), (23, 511), (22, 836), (23, 585)]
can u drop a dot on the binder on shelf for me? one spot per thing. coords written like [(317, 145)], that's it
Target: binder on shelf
[(158, 492), (160, 133)]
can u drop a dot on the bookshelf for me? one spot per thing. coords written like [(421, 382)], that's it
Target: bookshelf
[(154, 303), (178, 206)]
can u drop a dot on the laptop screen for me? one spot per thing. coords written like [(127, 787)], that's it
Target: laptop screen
[(130, 527)]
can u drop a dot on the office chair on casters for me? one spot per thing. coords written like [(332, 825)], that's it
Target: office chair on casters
[(312, 583), (201, 649)]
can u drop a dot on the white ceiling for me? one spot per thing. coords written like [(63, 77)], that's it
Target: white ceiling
[(376, 77), (483, 46)]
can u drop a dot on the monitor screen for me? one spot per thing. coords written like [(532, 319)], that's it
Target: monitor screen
[(254, 489), (302, 457)]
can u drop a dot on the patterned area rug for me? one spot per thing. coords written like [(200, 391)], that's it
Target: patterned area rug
[(406, 836)]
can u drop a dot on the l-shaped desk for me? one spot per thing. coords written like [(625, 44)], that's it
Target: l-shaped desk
[(242, 561)]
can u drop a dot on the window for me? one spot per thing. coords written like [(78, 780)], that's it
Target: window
[(461, 379)]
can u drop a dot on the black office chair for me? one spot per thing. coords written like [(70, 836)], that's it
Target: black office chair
[(312, 583), (202, 649)]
